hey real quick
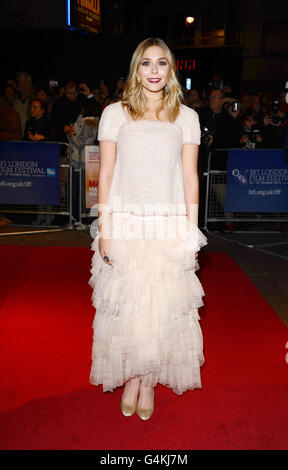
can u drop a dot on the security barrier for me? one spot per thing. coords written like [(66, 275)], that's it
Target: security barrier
[(87, 216), (73, 211), (246, 223), (56, 216)]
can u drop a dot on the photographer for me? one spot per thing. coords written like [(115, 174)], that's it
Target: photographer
[(220, 122), (65, 111), (232, 106), (90, 107), (220, 129), (250, 130), (273, 135)]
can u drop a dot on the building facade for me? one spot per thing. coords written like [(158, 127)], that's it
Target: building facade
[(245, 41)]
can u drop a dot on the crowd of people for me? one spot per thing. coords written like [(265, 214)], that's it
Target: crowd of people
[(256, 118), (52, 112), (70, 112), (49, 113)]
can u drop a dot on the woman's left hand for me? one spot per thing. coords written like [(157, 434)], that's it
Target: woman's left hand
[(35, 137), (196, 256)]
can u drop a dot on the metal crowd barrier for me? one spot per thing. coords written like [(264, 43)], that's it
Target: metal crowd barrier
[(58, 218), (85, 217), (212, 179), (250, 223)]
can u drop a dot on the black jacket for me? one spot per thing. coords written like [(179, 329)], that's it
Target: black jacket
[(38, 126), (226, 134), (224, 128), (64, 112)]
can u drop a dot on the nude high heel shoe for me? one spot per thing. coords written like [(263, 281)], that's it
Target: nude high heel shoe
[(145, 413), (128, 410)]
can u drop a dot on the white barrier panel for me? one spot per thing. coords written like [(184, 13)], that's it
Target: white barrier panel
[(91, 175)]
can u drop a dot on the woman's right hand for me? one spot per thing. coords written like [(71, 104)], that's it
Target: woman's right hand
[(104, 249)]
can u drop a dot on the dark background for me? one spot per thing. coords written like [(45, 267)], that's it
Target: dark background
[(49, 48)]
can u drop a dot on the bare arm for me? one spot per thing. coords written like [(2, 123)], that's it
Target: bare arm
[(189, 158), (106, 170)]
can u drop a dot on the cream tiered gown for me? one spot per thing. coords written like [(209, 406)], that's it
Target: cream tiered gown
[(147, 302)]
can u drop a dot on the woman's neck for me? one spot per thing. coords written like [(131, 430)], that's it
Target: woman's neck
[(152, 100)]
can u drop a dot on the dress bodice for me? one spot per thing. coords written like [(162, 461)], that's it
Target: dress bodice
[(148, 176)]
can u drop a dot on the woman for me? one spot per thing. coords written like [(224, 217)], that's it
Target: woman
[(37, 129), (146, 293), (83, 132)]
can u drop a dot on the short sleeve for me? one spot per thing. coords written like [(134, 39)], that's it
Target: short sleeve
[(109, 124), (191, 126)]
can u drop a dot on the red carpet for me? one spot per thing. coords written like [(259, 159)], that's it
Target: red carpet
[(45, 346)]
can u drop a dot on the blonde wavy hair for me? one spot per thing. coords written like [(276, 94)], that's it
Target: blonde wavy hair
[(133, 98)]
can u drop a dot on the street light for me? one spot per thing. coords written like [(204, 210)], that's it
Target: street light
[(189, 20)]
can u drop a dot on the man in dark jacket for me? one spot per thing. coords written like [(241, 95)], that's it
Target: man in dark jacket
[(223, 130), (65, 112), (222, 133)]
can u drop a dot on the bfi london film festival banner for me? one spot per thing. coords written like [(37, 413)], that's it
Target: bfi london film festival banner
[(30, 173), (91, 174), (257, 181)]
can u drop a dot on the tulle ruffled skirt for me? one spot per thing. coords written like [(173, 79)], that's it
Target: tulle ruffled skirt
[(147, 320)]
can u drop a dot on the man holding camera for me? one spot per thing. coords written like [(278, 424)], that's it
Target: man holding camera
[(219, 126), (65, 111), (89, 106), (220, 130), (273, 134)]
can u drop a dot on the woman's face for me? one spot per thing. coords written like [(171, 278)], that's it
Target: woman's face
[(154, 69), (36, 110)]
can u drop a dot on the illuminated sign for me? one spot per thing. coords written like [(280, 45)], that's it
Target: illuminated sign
[(186, 64), (92, 6), (87, 15)]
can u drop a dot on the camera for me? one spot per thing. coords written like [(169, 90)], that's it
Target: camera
[(53, 83), (252, 136), (188, 83), (206, 133), (80, 88), (274, 112), (234, 106)]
